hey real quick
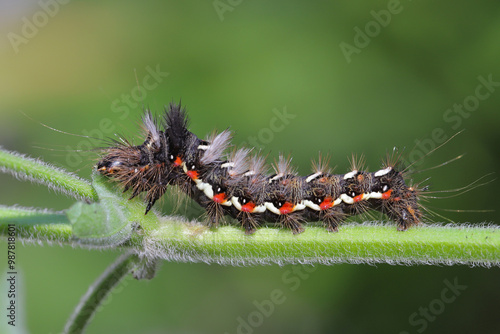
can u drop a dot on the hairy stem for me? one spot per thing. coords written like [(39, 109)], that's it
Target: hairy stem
[(173, 240), (29, 216), (354, 243), (40, 172), (36, 226), (98, 292)]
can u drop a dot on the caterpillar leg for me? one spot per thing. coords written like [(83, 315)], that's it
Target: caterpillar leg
[(292, 221), (153, 195), (248, 222), (332, 218), (405, 215)]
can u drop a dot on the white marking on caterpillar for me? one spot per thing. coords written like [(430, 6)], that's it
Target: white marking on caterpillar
[(259, 208), (204, 186), (227, 165), (237, 205), (236, 202), (208, 190), (227, 203), (312, 205), (350, 175), (382, 172), (249, 173), (374, 195), (299, 206), (276, 177), (256, 209), (270, 206), (203, 147), (313, 176), (200, 184), (347, 199)]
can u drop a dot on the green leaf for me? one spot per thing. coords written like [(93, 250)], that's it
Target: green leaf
[(106, 223)]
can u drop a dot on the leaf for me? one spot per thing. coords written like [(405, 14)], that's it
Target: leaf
[(106, 223)]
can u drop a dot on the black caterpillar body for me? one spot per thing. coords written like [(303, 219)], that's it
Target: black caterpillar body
[(238, 186)]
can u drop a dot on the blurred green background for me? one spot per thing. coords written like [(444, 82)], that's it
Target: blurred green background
[(235, 64)]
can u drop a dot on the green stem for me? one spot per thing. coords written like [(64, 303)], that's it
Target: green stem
[(36, 226), (354, 243), (28, 216), (96, 294), (37, 171)]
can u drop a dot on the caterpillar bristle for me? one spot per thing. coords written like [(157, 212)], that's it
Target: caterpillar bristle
[(257, 166), (321, 166), (283, 166), (240, 187), (216, 147), (151, 128), (357, 162), (176, 122), (238, 163)]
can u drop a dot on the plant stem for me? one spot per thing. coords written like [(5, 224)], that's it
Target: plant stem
[(96, 294), (28, 216), (37, 171), (173, 240), (36, 226), (354, 243)]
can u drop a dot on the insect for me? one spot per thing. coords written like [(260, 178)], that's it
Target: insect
[(240, 187)]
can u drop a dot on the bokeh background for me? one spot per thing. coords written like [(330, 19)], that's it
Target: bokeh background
[(350, 84)]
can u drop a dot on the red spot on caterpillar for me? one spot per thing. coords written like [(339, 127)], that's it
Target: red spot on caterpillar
[(177, 162), (192, 174), (357, 198), (287, 208), (220, 198), (387, 194), (326, 204), (249, 207)]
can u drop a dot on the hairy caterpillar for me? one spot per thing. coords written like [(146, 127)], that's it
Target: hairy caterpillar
[(239, 186)]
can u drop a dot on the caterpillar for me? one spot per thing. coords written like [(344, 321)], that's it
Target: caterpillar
[(238, 185)]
